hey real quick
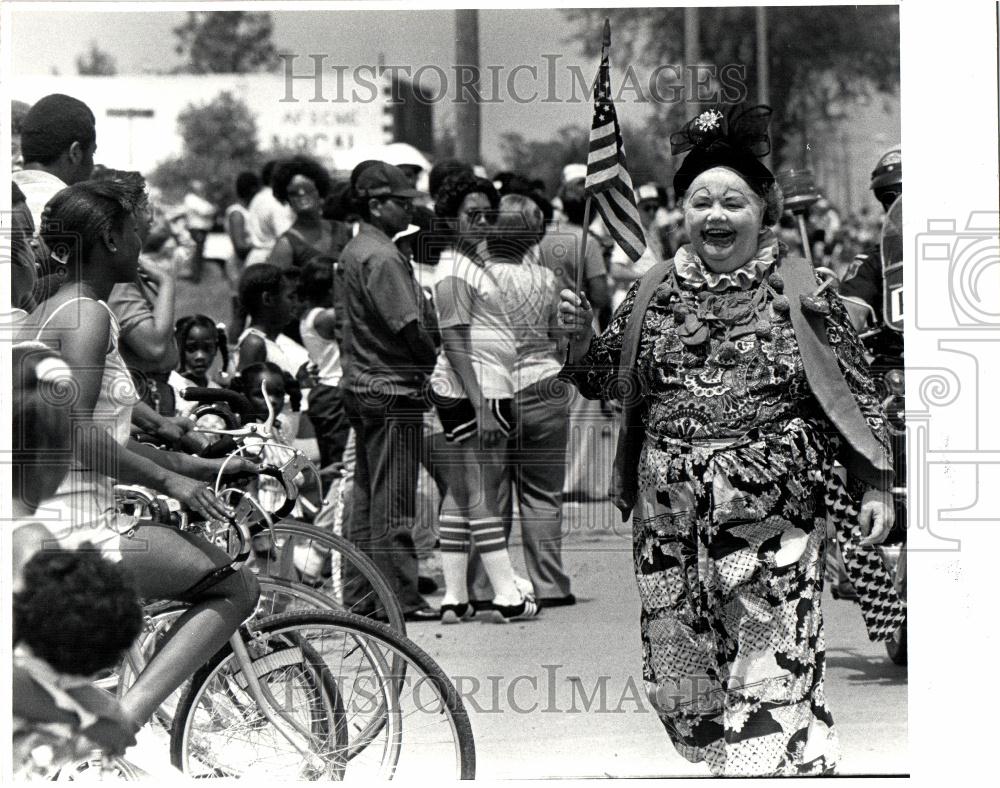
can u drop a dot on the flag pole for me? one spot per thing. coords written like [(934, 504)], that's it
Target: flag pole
[(582, 261)]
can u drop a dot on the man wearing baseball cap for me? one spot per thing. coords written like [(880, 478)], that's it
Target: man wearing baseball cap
[(58, 141), (388, 351)]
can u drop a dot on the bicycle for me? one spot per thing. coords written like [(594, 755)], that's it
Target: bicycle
[(298, 552), (349, 686)]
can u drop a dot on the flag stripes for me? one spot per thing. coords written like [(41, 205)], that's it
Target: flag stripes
[(608, 183)]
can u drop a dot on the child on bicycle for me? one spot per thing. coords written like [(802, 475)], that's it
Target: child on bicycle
[(92, 229), (74, 612)]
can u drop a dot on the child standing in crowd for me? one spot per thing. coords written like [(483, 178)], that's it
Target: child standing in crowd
[(280, 389), (237, 220), (269, 297), (200, 340), (326, 405)]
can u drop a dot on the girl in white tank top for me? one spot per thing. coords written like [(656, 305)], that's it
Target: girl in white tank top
[(85, 502)]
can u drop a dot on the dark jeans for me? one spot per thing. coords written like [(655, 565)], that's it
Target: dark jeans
[(388, 437), (329, 420)]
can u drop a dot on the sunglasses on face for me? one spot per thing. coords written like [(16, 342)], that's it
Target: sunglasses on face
[(474, 215), (403, 202)]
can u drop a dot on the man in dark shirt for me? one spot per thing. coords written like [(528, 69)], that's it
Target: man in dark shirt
[(388, 352), (862, 286)]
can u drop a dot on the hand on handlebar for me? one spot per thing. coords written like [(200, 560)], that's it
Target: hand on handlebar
[(173, 429), (194, 442), (198, 497), (237, 467), (234, 467)]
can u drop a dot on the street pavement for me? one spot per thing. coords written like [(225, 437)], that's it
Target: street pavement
[(562, 696)]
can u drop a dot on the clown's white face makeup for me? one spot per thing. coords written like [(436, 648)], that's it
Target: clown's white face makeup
[(723, 217)]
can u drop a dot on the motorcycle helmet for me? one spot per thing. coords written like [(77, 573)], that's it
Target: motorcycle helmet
[(887, 177)]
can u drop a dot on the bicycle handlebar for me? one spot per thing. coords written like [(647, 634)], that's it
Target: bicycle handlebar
[(233, 399), (245, 508)]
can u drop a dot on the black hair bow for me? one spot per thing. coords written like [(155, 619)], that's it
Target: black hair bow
[(735, 126)]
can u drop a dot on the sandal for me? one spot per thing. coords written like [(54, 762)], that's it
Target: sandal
[(457, 613)]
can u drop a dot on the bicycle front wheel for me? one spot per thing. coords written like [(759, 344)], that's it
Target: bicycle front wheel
[(366, 702), (330, 565)]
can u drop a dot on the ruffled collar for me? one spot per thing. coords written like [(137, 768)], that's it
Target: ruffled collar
[(694, 272)]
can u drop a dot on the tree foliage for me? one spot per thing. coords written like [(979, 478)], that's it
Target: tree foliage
[(220, 141), (95, 62), (819, 57), (226, 42), (648, 159)]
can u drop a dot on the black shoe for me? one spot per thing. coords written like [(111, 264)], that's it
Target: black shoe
[(425, 613), (455, 614), (844, 590), (426, 585), (557, 601), (481, 604), (526, 608)]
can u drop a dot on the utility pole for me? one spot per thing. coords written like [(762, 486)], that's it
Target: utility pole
[(763, 76), (692, 52), (467, 107)]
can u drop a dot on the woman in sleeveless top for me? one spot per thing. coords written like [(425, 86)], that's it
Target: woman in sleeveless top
[(304, 184), (96, 246)]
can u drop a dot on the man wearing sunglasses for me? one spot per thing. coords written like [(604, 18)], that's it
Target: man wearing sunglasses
[(388, 351)]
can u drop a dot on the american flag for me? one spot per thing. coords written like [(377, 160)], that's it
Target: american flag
[(608, 181)]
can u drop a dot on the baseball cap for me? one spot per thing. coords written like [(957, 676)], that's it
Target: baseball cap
[(400, 153), (380, 179), (573, 171), (647, 192)]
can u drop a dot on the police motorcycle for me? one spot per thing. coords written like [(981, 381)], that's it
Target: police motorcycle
[(882, 333), (884, 342), (880, 330)]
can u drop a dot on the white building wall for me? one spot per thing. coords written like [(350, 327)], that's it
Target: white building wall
[(137, 115)]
